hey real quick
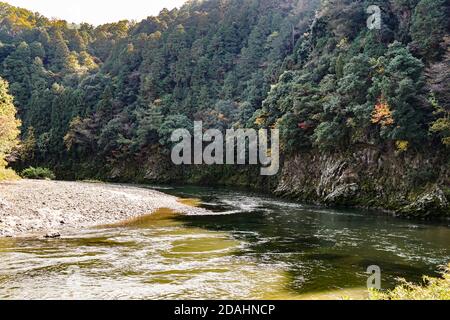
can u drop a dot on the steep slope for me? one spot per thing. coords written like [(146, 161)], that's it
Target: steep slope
[(363, 113)]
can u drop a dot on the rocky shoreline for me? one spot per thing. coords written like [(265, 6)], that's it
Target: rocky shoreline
[(409, 185), (48, 208)]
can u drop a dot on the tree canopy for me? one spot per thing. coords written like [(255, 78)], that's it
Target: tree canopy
[(9, 125), (104, 95)]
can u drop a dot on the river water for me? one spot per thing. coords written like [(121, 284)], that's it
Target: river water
[(253, 247)]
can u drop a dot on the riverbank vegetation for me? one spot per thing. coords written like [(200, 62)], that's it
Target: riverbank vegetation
[(38, 173), (431, 289)]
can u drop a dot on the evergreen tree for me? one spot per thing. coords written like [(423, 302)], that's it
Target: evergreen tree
[(429, 25), (311, 68), (400, 84)]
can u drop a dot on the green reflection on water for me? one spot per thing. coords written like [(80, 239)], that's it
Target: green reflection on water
[(261, 248)]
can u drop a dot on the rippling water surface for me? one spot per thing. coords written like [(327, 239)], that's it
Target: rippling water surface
[(253, 247)]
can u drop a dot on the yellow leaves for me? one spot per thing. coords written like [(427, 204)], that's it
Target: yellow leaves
[(9, 128), (73, 64), (382, 114), (9, 125), (181, 29), (273, 36), (70, 137), (156, 35), (9, 131), (377, 65), (402, 145), (446, 141), (7, 174), (87, 61), (343, 43), (441, 124), (260, 120)]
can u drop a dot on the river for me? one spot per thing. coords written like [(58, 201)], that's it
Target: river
[(253, 247)]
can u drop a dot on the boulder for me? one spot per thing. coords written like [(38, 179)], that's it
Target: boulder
[(52, 235), (342, 195), (431, 203)]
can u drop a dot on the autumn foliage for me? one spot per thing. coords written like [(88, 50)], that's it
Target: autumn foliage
[(382, 114), (9, 127)]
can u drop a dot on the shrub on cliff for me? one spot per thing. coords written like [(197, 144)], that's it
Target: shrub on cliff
[(38, 173)]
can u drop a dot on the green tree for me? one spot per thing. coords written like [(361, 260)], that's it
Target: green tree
[(9, 125), (438, 79), (429, 25), (399, 82), (60, 57)]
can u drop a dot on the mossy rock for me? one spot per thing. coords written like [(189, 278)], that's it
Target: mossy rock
[(429, 204)]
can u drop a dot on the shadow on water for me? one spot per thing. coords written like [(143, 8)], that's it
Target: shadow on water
[(324, 249), (251, 247)]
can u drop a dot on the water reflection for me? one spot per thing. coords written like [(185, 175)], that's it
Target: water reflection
[(254, 247)]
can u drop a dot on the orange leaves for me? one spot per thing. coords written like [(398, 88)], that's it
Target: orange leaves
[(260, 121), (382, 114)]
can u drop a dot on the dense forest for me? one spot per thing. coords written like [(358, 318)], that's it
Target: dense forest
[(101, 102)]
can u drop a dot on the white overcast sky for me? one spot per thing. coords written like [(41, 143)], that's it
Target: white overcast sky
[(96, 11)]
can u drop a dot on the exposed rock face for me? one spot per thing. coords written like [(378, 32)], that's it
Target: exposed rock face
[(153, 167), (342, 195), (409, 184), (430, 203), (366, 177)]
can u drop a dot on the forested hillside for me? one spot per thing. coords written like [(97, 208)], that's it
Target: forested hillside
[(101, 102)]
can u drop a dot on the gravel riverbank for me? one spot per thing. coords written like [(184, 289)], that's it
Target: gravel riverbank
[(31, 207)]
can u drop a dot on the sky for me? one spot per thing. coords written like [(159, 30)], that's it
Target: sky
[(96, 11)]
